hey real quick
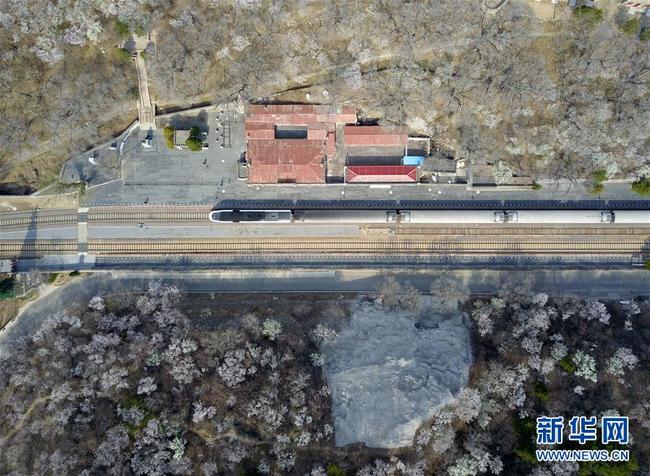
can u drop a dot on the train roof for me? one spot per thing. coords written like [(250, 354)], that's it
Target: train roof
[(437, 204), (452, 216), (560, 216)]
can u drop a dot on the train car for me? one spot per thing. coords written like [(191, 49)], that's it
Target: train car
[(344, 216), (561, 217), (250, 216), (494, 216), (641, 217), (454, 216)]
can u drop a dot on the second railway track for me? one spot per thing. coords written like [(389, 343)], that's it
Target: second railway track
[(384, 246), (355, 247)]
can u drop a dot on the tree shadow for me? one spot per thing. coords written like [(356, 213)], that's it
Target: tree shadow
[(185, 122), (28, 247), (15, 188)]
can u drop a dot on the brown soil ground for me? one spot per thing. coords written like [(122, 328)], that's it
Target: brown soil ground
[(12, 203)]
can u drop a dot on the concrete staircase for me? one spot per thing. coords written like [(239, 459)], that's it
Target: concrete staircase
[(146, 107)]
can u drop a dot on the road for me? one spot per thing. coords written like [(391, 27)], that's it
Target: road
[(619, 284)]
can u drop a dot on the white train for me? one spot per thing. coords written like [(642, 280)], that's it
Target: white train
[(560, 217)]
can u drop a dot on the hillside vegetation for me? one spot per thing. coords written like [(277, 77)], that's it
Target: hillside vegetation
[(555, 99), (162, 383)]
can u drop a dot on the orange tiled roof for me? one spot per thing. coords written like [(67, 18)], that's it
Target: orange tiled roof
[(286, 161), (300, 114), (375, 135)]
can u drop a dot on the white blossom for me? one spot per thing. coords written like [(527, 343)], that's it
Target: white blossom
[(303, 439), (482, 315), (233, 454), (464, 466), (585, 366), (623, 359), (146, 385), (323, 335), (201, 412), (559, 351), (271, 329), (235, 367), (317, 470), (97, 304), (264, 467), (177, 445), (468, 405), (507, 383), (114, 379), (594, 310)]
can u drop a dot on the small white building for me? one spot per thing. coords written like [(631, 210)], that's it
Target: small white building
[(634, 7), (6, 266)]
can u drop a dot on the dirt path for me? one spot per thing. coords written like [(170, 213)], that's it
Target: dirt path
[(14, 203)]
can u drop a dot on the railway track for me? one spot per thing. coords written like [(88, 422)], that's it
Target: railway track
[(384, 246), (356, 247), (34, 248), (37, 218), (148, 214)]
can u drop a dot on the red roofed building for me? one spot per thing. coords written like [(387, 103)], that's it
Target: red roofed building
[(300, 114), (257, 130), (290, 143), (286, 161), (300, 143), (375, 135), (381, 174)]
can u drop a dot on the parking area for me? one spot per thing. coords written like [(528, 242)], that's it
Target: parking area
[(154, 173), (94, 167)]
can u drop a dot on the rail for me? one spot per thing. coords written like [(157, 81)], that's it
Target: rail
[(142, 214), (355, 247), (385, 246), (40, 217), (36, 248)]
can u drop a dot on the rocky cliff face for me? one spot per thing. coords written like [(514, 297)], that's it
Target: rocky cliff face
[(388, 373)]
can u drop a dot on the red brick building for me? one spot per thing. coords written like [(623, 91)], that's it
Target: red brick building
[(298, 143), (289, 143)]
